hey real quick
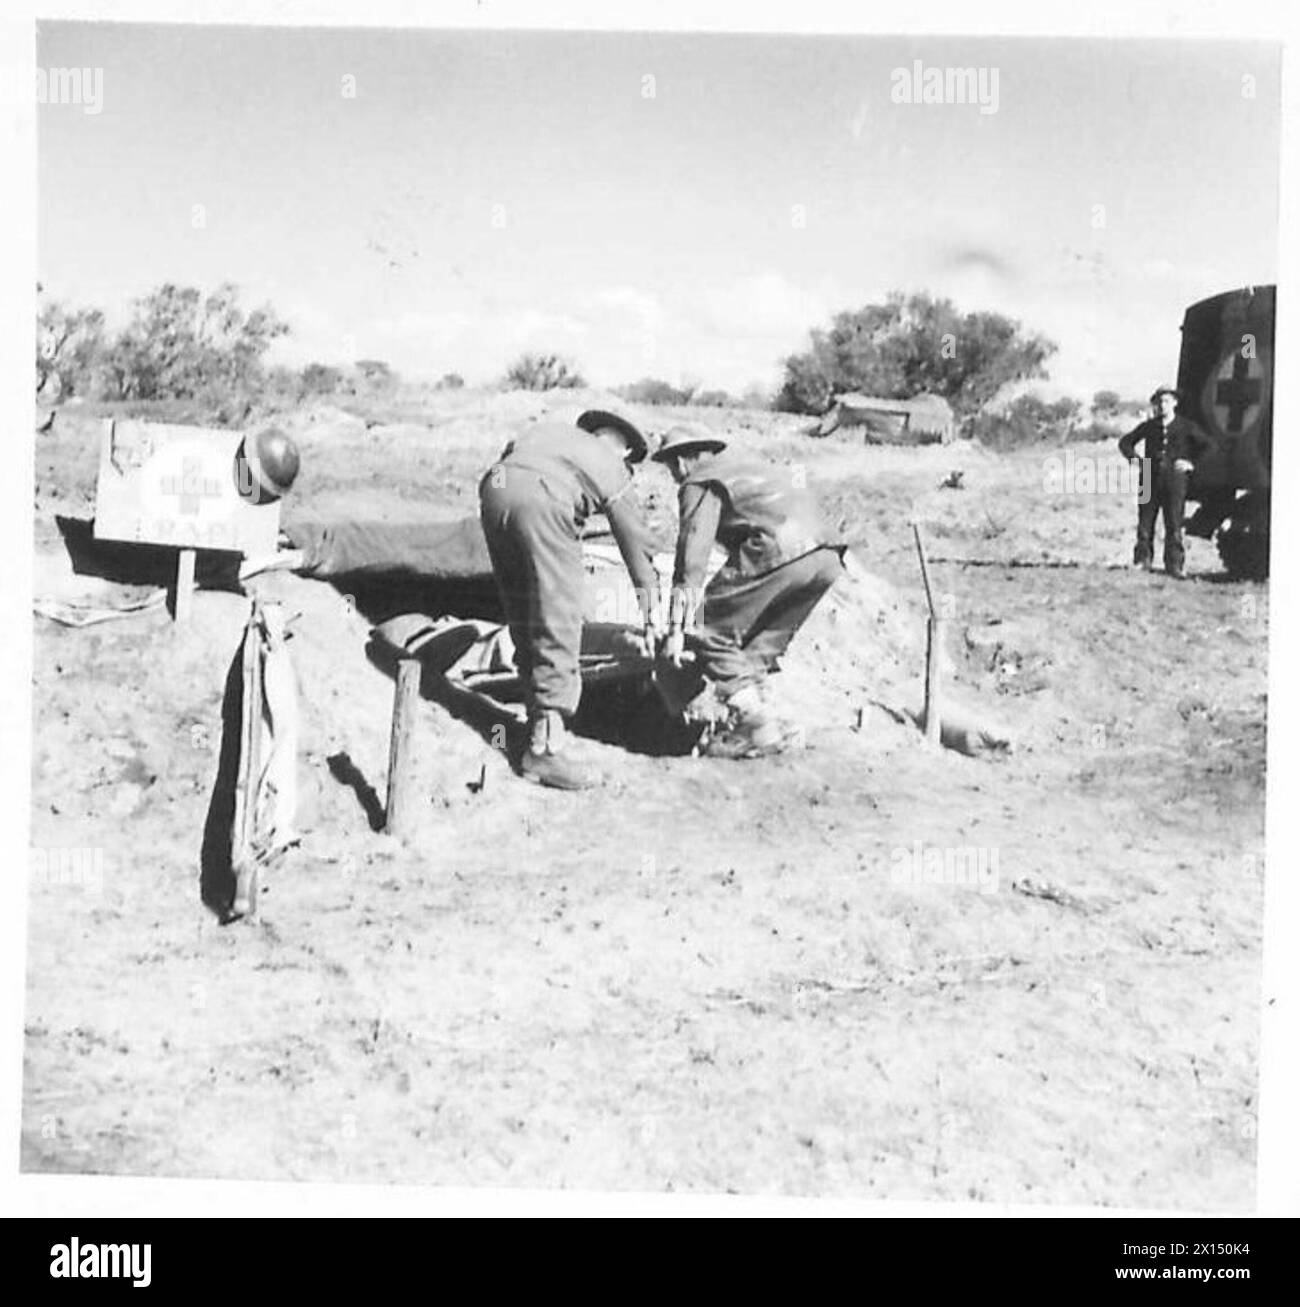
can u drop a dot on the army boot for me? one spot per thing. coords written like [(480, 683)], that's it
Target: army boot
[(545, 759)]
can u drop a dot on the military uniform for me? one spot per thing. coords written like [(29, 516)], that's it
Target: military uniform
[(533, 504), (780, 562), (1166, 484)]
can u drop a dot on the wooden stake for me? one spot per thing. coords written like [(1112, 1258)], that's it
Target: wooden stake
[(933, 648), (182, 601), (397, 814), (933, 681), (925, 567)]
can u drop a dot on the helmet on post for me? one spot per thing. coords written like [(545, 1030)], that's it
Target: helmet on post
[(266, 465)]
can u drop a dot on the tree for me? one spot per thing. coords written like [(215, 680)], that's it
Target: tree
[(1106, 404), (281, 385), (376, 374), (911, 345), (450, 381), (713, 399), (182, 344), (1028, 420), (321, 379), (651, 390), (69, 346), (541, 372)]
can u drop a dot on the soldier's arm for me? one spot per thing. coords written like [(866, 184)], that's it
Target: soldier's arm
[(632, 535), (700, 511), (1128, 444)]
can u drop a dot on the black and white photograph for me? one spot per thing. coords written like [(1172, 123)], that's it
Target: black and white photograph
[(653, 611)]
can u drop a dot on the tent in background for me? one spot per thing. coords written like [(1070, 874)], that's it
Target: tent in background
[(921, 420)]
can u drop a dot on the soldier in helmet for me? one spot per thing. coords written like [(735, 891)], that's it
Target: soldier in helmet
[(1171, 445), (533, 504), (780, 561)]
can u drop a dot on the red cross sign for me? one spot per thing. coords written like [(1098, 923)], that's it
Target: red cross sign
[(1234, 392)]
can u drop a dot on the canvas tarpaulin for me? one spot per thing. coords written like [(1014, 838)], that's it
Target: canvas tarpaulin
[(425, 547), (453, 552)]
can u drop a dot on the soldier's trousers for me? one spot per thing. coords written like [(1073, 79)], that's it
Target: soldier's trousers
[(537, 558), (1168, 498), (746, 624)]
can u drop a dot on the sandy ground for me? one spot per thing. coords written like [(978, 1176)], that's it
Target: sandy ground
[(702, 976)]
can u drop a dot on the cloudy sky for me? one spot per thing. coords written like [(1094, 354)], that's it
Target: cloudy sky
[(670, 205)]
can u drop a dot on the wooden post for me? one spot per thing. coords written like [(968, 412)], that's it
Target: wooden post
[(933, 718), (933, 682), (925, 567), (183, 599), (397, 813)]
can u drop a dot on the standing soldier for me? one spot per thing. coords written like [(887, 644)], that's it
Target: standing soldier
[(533, 505), (780, 562), (1171, 446)]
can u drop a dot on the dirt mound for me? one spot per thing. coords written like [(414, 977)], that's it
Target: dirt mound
[(862, 645), (862, 651)]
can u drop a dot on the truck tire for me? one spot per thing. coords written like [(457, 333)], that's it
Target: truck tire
[(1244, 552)]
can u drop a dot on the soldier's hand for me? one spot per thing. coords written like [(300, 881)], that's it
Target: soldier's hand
[(674, 646), (651, 635), (1183, 465)]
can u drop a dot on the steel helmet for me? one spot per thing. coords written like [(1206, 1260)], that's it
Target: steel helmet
[(266, 465), (688, 438), (599, 419)]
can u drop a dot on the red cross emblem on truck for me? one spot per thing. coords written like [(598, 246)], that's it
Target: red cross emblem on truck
[(1235, 392)]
